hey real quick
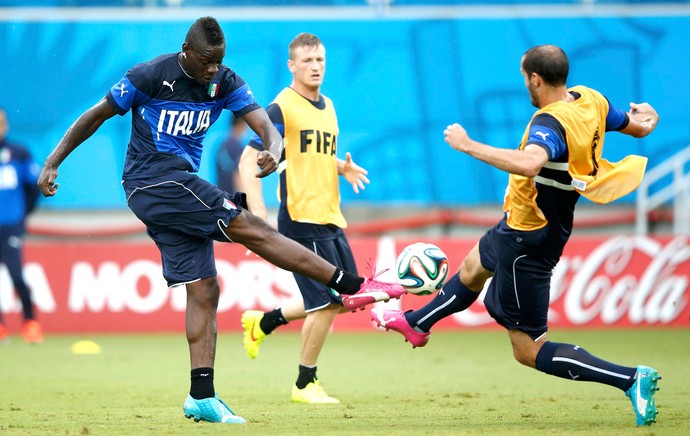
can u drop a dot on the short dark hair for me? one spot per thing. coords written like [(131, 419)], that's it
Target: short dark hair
[(549, 61), (304, 39), (205, 30)]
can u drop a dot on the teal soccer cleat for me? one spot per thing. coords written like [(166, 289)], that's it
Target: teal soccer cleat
[(641, 394), (210, 409)]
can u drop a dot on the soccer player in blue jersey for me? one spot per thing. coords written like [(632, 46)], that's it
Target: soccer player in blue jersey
[(559, 159), (173, 100), (309, 209), (18, 195)]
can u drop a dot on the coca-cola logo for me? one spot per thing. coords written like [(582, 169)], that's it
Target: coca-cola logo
[(633, 277)]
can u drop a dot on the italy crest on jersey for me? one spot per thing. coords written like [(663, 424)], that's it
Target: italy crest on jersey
[(229, 205), (213, 88)]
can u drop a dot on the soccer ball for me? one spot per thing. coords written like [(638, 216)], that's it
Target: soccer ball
[(422, 268)]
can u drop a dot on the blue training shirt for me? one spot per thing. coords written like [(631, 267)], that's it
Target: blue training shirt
[(18, 177), (171, 113)]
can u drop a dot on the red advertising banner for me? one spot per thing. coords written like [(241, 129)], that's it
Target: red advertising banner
[(618, 281)]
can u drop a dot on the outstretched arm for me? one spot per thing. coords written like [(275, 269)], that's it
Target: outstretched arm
[(643, 120), (82, 129), (526, 162), (353, 173)]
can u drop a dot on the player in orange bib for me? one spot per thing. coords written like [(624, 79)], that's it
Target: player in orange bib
[(558, 160)]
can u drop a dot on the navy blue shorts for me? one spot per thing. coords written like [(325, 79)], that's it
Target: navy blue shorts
[(11, 245), (337, 251), (183, 214), (518, 294)]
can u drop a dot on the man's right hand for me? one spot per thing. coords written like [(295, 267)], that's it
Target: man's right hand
[(46, 181), (267, 162)]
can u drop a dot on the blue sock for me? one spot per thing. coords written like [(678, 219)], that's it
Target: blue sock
[(454, 297), (574, 363)]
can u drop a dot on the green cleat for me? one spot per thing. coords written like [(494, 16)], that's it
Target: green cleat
[(312, 393), (253, 335), (211, 409), (641, 394)]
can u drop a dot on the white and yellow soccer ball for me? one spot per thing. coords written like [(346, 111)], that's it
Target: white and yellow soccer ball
[(422, 268)]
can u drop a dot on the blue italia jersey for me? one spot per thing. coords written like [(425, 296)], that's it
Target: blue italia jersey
[(171, 113), (18, 177)]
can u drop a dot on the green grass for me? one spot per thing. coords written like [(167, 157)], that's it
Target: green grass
[(461, 383)]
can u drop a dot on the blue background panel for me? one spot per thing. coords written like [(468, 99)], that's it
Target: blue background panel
[(396, 84)]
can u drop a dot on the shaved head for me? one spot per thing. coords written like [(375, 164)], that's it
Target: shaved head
[(203, 50), (205, 31)]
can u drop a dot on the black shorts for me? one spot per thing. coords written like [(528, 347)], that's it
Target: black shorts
[(183, 214), (337, 251), (11, 246), (518, 294)]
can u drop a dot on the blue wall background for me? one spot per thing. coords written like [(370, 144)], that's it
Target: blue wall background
[(396, 85)]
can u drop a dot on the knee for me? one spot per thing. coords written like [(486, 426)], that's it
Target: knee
[(204, 293), (472, 275), (524, 348), (250, 230), (333, 310), (524, 357), (328, 312)]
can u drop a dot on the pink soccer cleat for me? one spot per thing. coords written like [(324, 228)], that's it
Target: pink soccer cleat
[(372, 291), (395, 320)]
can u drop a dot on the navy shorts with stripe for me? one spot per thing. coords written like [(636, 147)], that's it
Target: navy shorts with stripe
[(337, 251), (518, 294), (183, 214)]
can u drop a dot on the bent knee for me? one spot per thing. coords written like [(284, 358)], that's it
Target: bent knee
[(330, 311), (525, 349), (524, 358), (473, 275), (249, 230)]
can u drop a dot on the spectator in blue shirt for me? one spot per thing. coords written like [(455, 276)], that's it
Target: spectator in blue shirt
[(18, 195)]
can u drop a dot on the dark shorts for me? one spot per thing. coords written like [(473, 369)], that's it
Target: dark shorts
[(337, 251), (183, 214), (11, 245), (518, 294)]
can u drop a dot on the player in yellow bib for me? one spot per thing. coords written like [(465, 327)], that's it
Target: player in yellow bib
[(309, 211), (559, 159)]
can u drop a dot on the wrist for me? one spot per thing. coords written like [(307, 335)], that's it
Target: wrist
[(50, 164), (276, 149)]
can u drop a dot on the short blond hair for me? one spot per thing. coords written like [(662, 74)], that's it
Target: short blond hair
[(304, 39)]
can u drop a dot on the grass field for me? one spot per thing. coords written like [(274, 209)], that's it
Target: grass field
[(461, 383)]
